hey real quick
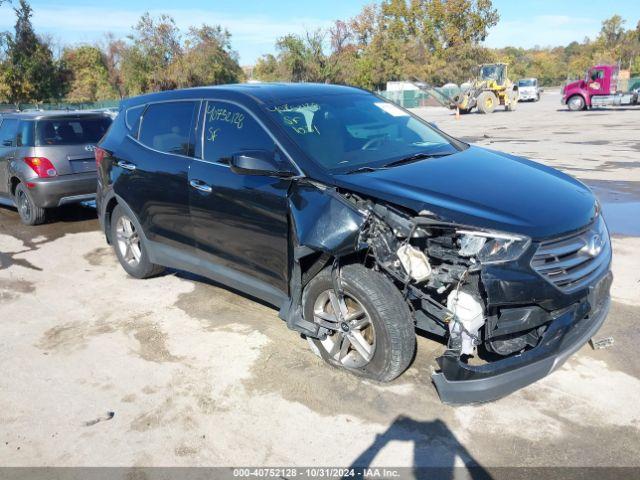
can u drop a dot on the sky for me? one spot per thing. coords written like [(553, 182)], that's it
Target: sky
[(256, 24)]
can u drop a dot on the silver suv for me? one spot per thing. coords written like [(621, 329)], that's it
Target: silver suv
[(46, 160)]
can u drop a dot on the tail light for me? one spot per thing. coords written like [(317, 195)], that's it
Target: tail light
[(42, 166), (99, 154)]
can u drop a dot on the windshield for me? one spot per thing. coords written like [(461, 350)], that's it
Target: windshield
[(71, 131), (527, 82), (346, 132)]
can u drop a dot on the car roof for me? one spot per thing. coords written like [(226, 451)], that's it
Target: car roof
[(266, 93), (44, 114)]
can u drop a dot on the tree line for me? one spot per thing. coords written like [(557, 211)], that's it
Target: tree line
[(155, 56), (438, 41)]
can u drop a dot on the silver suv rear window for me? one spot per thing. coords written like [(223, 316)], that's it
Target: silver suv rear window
[(71, 131)]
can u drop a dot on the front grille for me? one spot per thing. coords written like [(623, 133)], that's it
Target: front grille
[(574, 261)]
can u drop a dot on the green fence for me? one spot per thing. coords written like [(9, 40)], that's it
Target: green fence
[(61, 106), (419, 98)]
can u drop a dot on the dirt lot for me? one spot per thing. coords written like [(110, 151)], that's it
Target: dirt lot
[(100, 369)]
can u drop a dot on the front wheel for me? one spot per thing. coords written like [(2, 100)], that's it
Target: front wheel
[(576, 103), (374, 336), (487, 102)]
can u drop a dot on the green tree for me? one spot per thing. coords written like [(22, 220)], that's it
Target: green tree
[(28, 72), (86, 75), (208, 59), (155, 46)]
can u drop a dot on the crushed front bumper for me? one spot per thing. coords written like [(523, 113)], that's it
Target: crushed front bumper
[(459, 383)]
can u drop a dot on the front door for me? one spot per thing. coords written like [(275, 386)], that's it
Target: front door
[(597, 83), (238, 221), (8, 130)]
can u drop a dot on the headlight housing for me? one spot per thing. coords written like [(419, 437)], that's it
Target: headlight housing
[(492, 247)]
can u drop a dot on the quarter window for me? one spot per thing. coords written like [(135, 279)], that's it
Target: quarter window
[(8, 132), (229, 129), (132, 119), (166, 127), (25, 134)]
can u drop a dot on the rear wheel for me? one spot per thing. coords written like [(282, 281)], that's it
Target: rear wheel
[(30, 213), (130, 247), (576, 103), (487, 102), (375, 336)]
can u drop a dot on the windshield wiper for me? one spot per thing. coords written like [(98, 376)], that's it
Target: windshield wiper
[(363, 170), (414, 158), (409, 159)]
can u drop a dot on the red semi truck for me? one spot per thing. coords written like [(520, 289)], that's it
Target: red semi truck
[(600, 88)]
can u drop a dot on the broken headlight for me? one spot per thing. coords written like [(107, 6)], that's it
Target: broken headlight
[(492, 247)]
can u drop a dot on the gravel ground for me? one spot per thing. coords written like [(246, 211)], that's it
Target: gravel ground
[(99, 369)]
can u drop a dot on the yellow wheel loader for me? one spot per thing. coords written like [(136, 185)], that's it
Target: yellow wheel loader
[(490, 89)]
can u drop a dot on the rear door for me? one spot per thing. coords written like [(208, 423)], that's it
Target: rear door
[(239, 221), (68, 142), (152, 172), (8, 130)]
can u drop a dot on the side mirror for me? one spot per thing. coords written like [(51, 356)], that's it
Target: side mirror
[(434, 125), (541, 90), (258, 162)]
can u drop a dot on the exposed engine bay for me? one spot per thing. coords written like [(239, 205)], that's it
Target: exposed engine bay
[(436, 265)]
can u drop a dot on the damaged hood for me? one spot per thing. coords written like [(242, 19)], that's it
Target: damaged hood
[(483, 188)]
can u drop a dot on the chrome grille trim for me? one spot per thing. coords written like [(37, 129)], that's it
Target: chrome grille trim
[(569, 262)]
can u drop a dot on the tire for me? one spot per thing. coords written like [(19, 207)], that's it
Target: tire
[(390, 333), (130, 246), (576, 103), (487, 102), (29, 212)]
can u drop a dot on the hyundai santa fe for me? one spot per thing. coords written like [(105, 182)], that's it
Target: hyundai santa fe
[(363, 224), (47, 160)]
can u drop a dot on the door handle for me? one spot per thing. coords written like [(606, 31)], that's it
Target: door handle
[(200, 185), (126, 165)]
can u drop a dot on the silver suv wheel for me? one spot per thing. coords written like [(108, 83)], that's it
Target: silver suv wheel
[(354, 344)]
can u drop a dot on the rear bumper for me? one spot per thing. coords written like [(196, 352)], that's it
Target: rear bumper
[(57, 191), (459, 383)]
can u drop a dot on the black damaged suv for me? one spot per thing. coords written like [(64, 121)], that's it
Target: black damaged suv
[(363, 224)]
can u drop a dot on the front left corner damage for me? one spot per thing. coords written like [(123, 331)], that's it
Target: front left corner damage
[(324, 226)]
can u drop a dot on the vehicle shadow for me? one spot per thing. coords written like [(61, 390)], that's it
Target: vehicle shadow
[(435, 449)]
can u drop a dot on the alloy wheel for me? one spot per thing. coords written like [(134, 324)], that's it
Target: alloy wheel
[(353, 343), (128, 241)]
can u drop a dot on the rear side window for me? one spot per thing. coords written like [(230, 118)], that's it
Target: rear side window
[(8, 132), (25, 134), (71, 131), (166, 127)]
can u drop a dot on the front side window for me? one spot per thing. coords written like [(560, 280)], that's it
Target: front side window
[(8, 132), (167, 127), (229, 129), (345, 132), (71, 131)]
